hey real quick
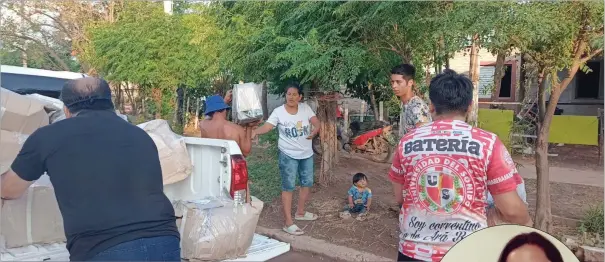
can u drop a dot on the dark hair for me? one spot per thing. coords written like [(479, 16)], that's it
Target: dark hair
[(406, 70), (89, 93), (532, 238), (211, 114), (358, 177), (451, 92), (296, 86)]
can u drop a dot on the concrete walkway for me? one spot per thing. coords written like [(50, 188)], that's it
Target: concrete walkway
[(567, 175)]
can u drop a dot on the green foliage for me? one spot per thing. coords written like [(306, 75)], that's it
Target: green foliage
[(36, 58), (593, 222), (325, 45), (553, 42), (263, 169), (147, 47)]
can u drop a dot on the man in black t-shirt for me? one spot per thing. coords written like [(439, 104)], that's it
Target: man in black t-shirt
[(107, 179)]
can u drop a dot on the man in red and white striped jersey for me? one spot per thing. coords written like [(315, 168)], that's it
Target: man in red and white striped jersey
[(442, 172)]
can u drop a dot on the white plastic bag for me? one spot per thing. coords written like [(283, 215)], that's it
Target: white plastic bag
[(247, 106)]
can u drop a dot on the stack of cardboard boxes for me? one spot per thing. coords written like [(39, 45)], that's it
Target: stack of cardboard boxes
[(34, 218)]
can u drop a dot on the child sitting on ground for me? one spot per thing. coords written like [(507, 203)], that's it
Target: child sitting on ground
[(360, 197)]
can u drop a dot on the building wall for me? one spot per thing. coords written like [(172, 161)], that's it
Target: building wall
[(580, 106), (568, 101), (461, 64), (461, 60)]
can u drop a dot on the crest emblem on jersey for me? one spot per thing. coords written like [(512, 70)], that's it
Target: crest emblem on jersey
[(441, 190)]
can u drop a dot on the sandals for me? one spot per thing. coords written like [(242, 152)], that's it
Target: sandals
[(293, 230), (308, 216)]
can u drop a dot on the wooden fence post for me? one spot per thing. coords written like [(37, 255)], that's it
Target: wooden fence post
[(381, 105), (362, 111)]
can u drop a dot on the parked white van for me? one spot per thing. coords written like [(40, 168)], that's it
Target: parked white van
[(24, 80)]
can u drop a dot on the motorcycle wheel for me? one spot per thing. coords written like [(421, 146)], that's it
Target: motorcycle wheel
[(384, 157), (316, 145)]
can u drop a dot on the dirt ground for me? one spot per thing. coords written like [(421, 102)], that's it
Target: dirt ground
[(378, 234), (298, 256), (574, 156)]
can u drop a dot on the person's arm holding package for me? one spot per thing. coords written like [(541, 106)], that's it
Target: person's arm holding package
[(502, 185), (26, 168), (228, 97), (244, 134), (397, 176), (271, 123)]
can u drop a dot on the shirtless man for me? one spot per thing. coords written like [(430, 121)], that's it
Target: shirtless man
[(218, 127)]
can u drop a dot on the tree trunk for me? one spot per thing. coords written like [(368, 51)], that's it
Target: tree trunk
[(373, 101), (24, 58), (498, 74), (157, 99), (473, 72), (326, 112), (441, 55), (522, 82), (543, 218), (178, 112), (264, 101)]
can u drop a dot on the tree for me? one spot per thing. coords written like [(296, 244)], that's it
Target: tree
[(55, 29), (571, 35), (279, 42), (476, 24), (156, 51), (321, 53)]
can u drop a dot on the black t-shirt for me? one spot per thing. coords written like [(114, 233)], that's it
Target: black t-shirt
[(107, 179)]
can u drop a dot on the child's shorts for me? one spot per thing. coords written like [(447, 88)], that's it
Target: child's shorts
[(290, 168), (359, 208)]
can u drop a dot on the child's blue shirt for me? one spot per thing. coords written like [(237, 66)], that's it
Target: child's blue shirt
[(360, 198)]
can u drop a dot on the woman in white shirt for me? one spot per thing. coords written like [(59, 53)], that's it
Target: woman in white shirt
[(297, 125)]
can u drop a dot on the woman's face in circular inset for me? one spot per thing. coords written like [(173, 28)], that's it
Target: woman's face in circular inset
[(527, 253)]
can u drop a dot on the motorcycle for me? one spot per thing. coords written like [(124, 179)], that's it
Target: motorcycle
[(370, 139)]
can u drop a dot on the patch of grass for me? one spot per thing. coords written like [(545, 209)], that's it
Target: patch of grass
[(593, 221), (263, 169)]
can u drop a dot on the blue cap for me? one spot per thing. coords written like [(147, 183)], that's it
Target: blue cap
[(215, 103)]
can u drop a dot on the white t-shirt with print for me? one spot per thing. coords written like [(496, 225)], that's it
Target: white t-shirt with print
[(294, 130)]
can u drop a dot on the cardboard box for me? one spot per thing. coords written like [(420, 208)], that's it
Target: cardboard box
[(174, 157), (34, 218), (216, 233), (10, 145), (21, 113)]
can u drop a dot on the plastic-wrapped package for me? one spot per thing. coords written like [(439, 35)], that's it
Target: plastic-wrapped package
[(216, 229), (247, 103), (174, 157), (19, 117), (34, 218), (52, 106), (19, 113), (10, 145)]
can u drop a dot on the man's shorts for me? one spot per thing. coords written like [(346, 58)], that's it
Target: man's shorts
[(290, 169), (520, 191)]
